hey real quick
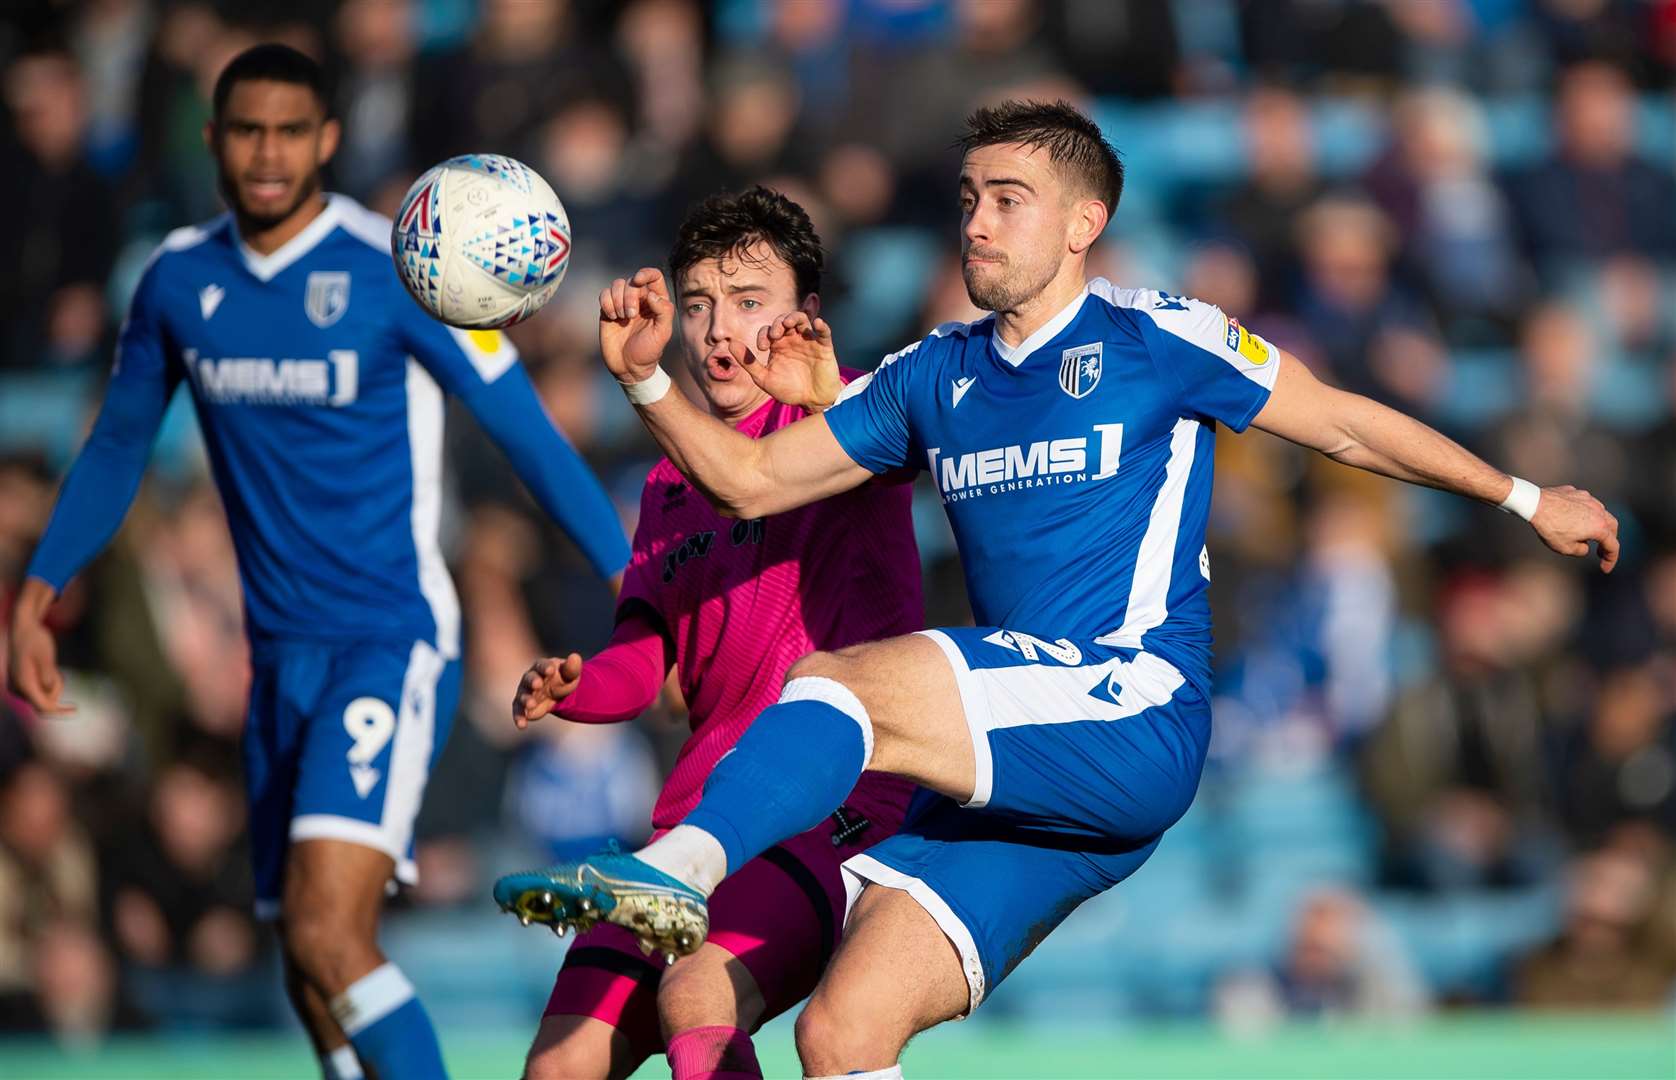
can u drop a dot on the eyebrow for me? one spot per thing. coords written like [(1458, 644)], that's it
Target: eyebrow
[(1004, 181), (701, 290)]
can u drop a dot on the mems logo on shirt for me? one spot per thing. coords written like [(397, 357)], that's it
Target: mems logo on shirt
[(262, 380), (1003, 469)]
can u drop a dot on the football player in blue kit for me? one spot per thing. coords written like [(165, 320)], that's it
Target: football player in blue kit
[(319, 385), (1071, 435)]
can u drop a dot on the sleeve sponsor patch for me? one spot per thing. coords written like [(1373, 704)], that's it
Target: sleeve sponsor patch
[(489, 351), (1249, 346)]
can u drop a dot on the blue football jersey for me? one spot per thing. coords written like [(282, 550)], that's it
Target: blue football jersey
[(1076, 467), (318, 384)]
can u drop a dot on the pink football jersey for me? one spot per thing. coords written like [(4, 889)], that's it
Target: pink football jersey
[(745, 599)]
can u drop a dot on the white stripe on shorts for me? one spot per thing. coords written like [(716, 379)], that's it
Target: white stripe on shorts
[(861, 869), (408, 769), (1026, 694), (976, 707)]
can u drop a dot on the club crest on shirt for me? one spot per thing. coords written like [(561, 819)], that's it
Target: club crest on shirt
[(327, 297), (1079, 369)]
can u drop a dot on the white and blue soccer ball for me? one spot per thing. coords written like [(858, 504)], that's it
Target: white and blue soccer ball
[(481, 241)]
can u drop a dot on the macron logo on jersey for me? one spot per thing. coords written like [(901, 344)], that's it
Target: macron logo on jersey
[(250, 380), (1003, 469), (960, 387), (209, 298)]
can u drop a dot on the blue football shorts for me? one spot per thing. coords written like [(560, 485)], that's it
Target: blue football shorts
[(338, 744), (1085, 754)]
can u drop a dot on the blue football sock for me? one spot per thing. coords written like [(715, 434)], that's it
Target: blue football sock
[(791, 768), (390, 1030)]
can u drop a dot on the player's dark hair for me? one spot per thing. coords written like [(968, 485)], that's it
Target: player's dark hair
[(1073, 142), (272, 62), (727, 223)]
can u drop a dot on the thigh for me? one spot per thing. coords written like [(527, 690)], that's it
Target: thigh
[(896, 972), (994, 890), (608, 980), (908, 689), (1097, 741), (335, 884), (271, 745), (372, 735)]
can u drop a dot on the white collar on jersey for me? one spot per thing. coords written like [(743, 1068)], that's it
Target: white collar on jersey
[(266, 267), (1017, 354)]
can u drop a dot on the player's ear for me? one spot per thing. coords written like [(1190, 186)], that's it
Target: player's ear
[(1088, 221), (330, 132), (811, 306), (209, 135)]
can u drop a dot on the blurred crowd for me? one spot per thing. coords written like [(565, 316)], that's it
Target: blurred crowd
[(1463, 208)]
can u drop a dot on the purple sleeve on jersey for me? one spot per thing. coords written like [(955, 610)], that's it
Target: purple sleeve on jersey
[(622, 680)]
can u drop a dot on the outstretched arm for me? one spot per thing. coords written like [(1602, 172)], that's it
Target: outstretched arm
[(95, 497), (1358, 431), (743, 477), (481, 368)]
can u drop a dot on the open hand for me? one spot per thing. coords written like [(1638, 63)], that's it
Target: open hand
[(636, 318), (543, 686), (793, 362)]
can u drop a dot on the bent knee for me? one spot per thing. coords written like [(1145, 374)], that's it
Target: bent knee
[(711, 988), (577, 1048), (826, 665), (833, 1039)]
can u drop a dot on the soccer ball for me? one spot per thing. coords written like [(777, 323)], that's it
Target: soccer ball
[(481, 241)]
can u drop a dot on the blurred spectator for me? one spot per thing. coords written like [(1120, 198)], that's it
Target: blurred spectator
[(1652, 485), (663, 42), (62, 238), (377, 44), (1280, 183), (1127, 48), (491, 95), (1554, 437), (1621, 766), (48, 879), (179, 877), (1354, 45), (1456, 771), (1595, 196), (1377, 339), (173, 172), (1341, 962), (1454, 224), (110, 43), (584, 150), (1597, 960)]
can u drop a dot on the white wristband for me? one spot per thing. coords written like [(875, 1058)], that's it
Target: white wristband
[(649, 389), (1522, 499)]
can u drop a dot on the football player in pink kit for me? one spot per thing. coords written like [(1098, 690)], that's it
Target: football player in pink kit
[(731, 604)]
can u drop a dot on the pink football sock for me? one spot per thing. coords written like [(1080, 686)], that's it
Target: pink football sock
[(713, 1053)]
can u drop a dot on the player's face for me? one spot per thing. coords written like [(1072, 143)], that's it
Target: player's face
[(1015, 215), (722, 303), (269, 145)]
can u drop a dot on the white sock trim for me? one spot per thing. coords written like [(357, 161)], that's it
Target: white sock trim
[(371, 998), (688, 853), (341, 1064), (892, 1073), (836, 694)]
